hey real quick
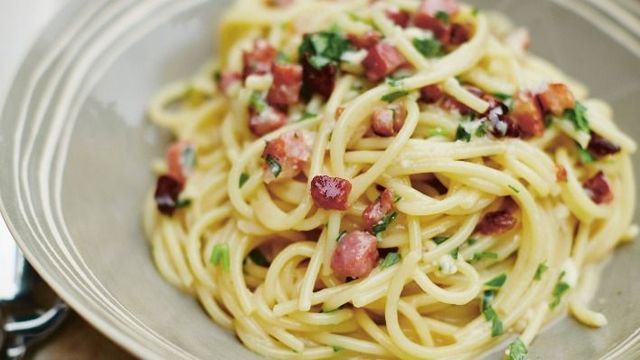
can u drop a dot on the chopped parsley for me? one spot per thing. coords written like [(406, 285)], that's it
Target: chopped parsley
[(541, 270), (497, 281), (471, 241), (584, 155), (274, 165), (384, 223), (479, 256), (243, 179), (578, 116), (393, 96), (217, 76), (257, 102), (487, 299), (481, 130), (220, 255), (306, 115), (342, 233), (258, 258), (462, 134), (514, 189), (337, 348), (391, 259), (440, 239), (394, 81), (517, 350), (428, 47), (183, 203), (323, 48), (491, 316), (502, 96), (443, 16), (455, 253), (397, 199), (558, 291), (438, 131)]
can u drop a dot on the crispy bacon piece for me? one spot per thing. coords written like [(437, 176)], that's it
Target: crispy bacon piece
[(556, 99), (460, 33), (601, 147), (287, 82), (356, 255), (382, 59), (364, 41), (561, 173), (452, 104), (259, 60), (431, 93), (377, 209), (427, 17), (166, 195), (227, 79), (320, 81), (290, 151), (598, 189), (497, 222), (266, 121), (527, 115), (388, 120), (175, 161), (330, 192), (400, 18)]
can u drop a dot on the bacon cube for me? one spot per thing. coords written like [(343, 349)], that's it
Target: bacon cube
[(526, 113), (364, 41), (431, 93), (330, 192), (266, 121), (598, 189), (227, 79), (388, 120), (287, 82), (356, 255), (496, 222), (382, 60), (377, 209), (427, 17), (556, 99), (290, 151), (400, 18), (259, 60)]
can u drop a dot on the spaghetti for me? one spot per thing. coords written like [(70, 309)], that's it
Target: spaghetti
[(396, 179)]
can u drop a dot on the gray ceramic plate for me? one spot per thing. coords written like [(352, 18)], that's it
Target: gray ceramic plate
[(75, 151)]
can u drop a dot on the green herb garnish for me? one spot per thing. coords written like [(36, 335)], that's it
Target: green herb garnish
[(471, 241), (502, 96), (584, 155), (274, 165), (307, 115), (479, 256), (258, 258), (342, 233), (337, 348), (497, 281), (183, 203), (540, 270), (491, 316), (438, 132), (243, 179), (323, 48), (257, 102), (558, 291), (220, 255), (217, 76), (443, 16), (283, 58), (393, 96), (517, 350), (455, 253), (462, 134), (384, 223), (515, 190), (428, 47), (578, 116), (391, 259), (439, 239)]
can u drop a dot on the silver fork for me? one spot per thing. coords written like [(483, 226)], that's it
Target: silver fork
[(23, 319)]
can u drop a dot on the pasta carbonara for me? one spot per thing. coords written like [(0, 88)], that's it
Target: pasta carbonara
[(385, 179)]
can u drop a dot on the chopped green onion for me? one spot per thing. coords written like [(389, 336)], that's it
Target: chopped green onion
[(397, 199), (337, 348), (497, 281), (307, 115), (257, 102), (393, 96), (438, 131), (220, 255), (183, 203), (455, 253), (323, 48), (471, 241), (578, 116), (391, 259), (496, 325), (515, 190), (342, 233), (584, 155), (442, 16), (479, 256)]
